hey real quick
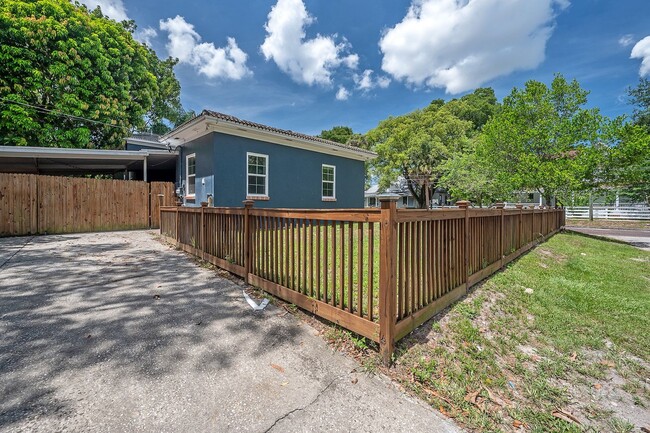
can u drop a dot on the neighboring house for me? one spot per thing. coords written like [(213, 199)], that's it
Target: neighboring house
[(406, 200), (233, 160)]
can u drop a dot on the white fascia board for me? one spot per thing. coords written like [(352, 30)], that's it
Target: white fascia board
[(54, 152), (146, 143)]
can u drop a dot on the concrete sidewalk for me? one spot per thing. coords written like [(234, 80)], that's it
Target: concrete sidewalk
[(116, 332), (635, 237)]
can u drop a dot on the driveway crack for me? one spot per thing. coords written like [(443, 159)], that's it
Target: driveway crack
[(298, 409)]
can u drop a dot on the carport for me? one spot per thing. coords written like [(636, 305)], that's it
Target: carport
[(142, 164)]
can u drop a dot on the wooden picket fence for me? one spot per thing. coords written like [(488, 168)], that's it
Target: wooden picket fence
[(34, 204), (377, 272)]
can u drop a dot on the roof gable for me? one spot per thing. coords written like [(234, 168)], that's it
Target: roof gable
[(212, 121)]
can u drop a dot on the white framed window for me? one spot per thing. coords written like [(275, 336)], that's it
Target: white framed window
[(190, 174), (328, 177), (257, 175)]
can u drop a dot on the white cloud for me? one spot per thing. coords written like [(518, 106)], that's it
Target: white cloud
[(461, 44), (308, 61), (626, 40), (145, 35), (642, 51), (111, 8), (366, 82), (228, 62), (342, 94)]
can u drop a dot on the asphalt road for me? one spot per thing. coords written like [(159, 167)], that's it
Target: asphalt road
[(115, 332), (635, 237)]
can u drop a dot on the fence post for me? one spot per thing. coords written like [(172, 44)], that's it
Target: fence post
[(502, 244), (533, 238), (387, 276), (202, 232), (520, 240), (177, 234), (463, 204), (248, 204)]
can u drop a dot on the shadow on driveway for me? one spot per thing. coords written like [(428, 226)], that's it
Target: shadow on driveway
[(115, 331)]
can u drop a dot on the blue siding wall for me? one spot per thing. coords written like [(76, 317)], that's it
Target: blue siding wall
[(294, 175), (203, 148)]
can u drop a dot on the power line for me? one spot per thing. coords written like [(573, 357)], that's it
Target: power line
[(58, 113)]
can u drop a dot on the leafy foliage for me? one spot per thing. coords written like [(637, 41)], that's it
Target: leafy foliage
[(416, 146), (628, 165), (467, 177), (640, 96), (76, 64), (339, 134), (541, 136)]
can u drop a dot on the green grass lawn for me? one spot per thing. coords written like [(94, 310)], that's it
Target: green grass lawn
[(566, 327)]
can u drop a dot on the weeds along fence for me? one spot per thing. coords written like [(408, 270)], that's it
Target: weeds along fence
[(377, 272), (35, 204)]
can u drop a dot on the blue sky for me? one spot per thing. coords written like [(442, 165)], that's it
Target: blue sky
[(302, 64)]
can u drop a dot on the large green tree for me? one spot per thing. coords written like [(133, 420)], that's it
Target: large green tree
[(541, 137), (415, 147), (70, 77), (628, 164), (339, 134), (640, 98), (418, 145)]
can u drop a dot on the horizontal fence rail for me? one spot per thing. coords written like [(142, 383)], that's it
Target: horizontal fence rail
[(377, 272), (36, 204), (610, 212)]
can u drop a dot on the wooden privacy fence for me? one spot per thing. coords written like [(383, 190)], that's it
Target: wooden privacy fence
[(34, 204), (377, 272)]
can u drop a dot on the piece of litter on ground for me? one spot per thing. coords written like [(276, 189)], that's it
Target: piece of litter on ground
[(253, 304), (583, 254), (528, 290), (277, 367), (566, 416)]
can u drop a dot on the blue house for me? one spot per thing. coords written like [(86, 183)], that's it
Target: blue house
[(233, 160)]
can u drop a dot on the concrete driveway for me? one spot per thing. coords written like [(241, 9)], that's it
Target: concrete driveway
[(116, 332)]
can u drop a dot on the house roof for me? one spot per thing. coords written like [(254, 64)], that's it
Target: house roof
[(230, 124)]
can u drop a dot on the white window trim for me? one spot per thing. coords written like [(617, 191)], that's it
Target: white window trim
[(333, 197), (266, 176), (187, 175)]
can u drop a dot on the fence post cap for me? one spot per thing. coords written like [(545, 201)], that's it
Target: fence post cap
[(499, 205), (388, 197), (248, 203), (463, 204), (519, 206)]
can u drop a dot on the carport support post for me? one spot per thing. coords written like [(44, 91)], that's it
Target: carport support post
[(248, 204), (387, 279)]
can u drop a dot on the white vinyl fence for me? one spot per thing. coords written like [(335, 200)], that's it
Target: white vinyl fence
[(610, 212)]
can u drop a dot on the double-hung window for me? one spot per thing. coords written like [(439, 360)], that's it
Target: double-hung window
[(257, 175), (190, 175), (328, 182)]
